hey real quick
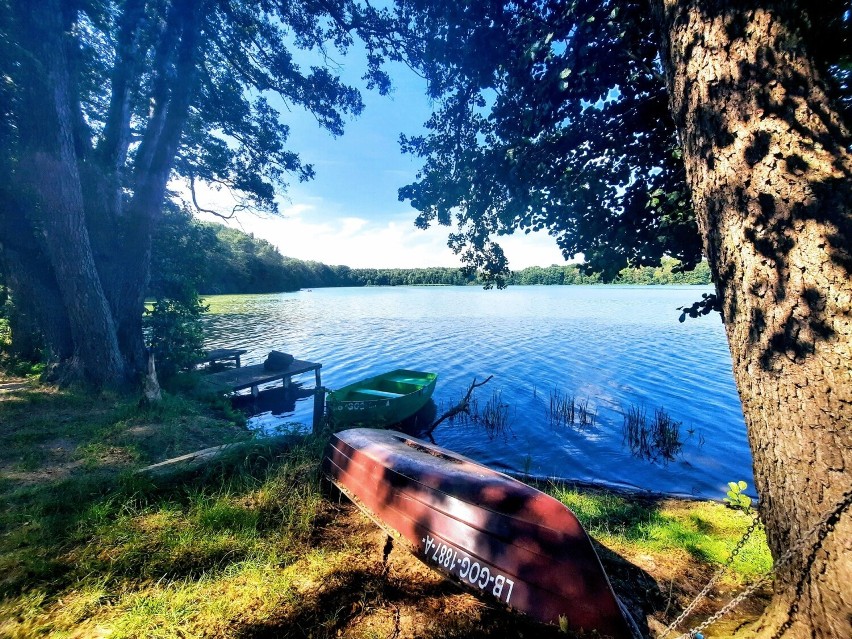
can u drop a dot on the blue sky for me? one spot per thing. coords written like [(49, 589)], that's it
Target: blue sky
[(350, 214)]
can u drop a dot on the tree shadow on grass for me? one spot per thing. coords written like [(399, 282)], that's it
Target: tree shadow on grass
[(370, 600)]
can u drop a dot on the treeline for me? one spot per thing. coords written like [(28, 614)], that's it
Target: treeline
[(666, 273), (214, 259), (553, 275)]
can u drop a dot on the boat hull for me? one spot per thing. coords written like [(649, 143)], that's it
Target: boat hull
[(479, 527), (385, 399)]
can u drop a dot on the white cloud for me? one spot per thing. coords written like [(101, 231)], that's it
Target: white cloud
[(318, 230), (361, 243)]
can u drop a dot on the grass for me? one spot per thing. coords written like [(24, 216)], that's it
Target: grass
[(258, 547), (705, 531)]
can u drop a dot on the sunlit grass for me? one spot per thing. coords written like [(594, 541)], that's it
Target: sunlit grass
[(706, 531), (91, 550), (197, 556)]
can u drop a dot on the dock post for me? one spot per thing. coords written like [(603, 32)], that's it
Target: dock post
[(319, 399), (319, 407)]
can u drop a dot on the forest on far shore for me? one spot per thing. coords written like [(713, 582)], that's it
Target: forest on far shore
[(221, 260)]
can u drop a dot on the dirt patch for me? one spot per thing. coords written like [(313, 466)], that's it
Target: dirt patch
[(380, 589), (398, 596), (56, 462), (7, 387)]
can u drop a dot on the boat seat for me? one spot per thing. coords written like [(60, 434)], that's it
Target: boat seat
[(378, 393)]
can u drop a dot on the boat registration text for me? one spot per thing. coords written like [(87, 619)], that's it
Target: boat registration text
[(458, 564), (362, 405)]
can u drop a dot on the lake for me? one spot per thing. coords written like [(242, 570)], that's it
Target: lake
[(617, 350)]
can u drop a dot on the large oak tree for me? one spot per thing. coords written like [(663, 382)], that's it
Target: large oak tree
[(632, 130), (103, 102)]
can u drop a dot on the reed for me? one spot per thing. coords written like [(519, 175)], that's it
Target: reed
[(563, 408), (635, 429), (567, 410), (652, 439), (586, 415), (495, 416)]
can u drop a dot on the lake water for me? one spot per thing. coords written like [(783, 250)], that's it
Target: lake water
[(614, 347)]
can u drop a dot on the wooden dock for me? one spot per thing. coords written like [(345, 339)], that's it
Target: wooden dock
[(223, 354), (252, 377)]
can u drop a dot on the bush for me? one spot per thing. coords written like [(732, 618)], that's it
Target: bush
[(175, 333)]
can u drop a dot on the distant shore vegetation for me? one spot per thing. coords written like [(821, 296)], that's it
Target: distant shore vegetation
[(222, 260)]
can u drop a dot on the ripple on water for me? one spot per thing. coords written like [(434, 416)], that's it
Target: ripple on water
[(615, 347)]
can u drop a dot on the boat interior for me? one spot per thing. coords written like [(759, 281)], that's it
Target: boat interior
[(388, 387)]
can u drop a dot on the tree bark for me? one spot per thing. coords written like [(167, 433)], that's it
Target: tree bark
[(49, 172), (174, 89), (769, 172), (39, 321), (97, 242)]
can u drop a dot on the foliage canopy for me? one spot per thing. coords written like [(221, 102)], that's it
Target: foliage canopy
[(554, 116), (105, 103)]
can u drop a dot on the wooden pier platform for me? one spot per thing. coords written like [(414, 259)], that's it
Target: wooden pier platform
[(237, 379), (222, 354), (252, 377)]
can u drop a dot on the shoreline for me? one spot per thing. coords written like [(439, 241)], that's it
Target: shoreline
[(254, 541)]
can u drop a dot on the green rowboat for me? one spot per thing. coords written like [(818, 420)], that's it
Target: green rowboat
[(384, 399)]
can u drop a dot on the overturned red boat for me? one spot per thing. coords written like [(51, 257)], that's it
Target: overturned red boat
[(480, 527)]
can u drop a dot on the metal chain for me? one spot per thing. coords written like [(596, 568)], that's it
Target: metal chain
[(822, 522), (730, 560)]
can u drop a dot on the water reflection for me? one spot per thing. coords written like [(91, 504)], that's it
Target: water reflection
[(611, 347), (273, 405)]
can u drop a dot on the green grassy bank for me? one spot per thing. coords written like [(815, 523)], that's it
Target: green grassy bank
[(256, 546)]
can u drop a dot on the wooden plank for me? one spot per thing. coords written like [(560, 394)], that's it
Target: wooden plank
[(193, 461), (378, 393), (223, 353), (253, 376)]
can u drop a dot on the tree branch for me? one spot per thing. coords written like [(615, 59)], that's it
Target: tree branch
[(462, 407), (117, 133)]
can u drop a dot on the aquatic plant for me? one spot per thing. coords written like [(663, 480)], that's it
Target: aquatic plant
[(654, 439), (567, 410), (495, 416), (586, 415), (562, 408)]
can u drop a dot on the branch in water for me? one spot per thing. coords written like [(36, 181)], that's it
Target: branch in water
[(462, 407)]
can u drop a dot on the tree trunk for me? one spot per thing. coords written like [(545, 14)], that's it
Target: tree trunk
[(769, 174), (176, 73), (49, 172), (39, 321), (97, 245)]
